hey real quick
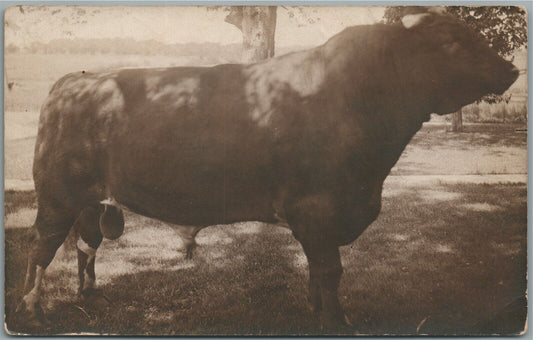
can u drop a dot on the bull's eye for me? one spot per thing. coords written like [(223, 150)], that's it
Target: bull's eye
[(451, 48)]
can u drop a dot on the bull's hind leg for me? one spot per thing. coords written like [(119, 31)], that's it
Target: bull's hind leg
[(88, 242), (188, 235), (93, 224), (50, 230)]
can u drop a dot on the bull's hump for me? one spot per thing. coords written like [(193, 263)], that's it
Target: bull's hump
[(299, 74)]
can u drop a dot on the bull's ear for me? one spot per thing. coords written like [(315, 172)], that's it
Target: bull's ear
[(412, 20), (437, 9)]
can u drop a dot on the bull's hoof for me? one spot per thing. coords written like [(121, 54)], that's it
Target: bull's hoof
[(33, 315), (315, 304), (95, 297), (315, 310), (336, 325), (190, 251)]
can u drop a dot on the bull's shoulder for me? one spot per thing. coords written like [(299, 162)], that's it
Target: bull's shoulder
[(280, 84), (302, 73)]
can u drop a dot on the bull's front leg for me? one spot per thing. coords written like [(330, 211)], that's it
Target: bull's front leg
[(325, 271), (313, 220)]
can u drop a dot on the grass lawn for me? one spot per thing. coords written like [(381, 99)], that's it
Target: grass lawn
[(480, 149), (441, 259)]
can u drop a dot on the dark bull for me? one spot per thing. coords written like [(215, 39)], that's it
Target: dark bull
[(306, 139)]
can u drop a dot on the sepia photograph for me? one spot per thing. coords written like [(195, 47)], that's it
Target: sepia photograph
[(265, 170)]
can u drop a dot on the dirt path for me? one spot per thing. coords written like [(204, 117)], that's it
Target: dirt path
[(411, 180)]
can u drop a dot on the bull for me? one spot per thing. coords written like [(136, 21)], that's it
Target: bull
[(305, 140)]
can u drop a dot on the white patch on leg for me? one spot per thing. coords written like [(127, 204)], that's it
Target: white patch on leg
[(32, 298), (87, 249), (110, 201), (88, 282)]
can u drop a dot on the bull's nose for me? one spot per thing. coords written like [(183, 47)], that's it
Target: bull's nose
[(504, 77), (513, 74), (510, 73)]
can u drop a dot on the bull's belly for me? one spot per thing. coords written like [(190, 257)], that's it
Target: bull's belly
[(193, 167), (197, 200)]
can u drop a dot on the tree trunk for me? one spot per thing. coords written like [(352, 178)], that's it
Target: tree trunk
[(504, 112), (258, 26), (457, 121)]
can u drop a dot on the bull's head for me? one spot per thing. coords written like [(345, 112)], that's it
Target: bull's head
[(459, 63)]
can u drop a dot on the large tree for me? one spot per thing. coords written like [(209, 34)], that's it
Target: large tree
[(504, 27), (258, 27)]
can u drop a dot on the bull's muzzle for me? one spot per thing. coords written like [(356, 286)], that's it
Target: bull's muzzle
[(506, 78)]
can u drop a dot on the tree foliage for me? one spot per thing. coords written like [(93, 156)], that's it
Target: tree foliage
[(505, 27)]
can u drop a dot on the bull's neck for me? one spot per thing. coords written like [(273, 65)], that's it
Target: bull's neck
[(369, 87), (342, 85), (388, 125)]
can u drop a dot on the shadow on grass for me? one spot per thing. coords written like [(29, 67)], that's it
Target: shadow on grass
[(440, 260), (17, 200), (450, 262), (246, 284)]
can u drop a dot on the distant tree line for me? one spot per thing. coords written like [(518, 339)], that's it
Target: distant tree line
[(129, 46), (215, 51)]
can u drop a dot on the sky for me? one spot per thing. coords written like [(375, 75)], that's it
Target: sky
[(174, 24)]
